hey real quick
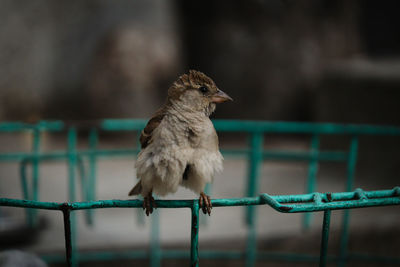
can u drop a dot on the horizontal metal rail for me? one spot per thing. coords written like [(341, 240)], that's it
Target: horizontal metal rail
[(281, 203), (220, 125), (267, 154), (87, 256)]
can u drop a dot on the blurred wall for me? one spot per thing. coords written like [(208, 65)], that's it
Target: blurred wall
[(280, 60), (269, 53), (84, 59)]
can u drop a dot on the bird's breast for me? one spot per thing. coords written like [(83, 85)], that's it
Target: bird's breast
[(204, 136)]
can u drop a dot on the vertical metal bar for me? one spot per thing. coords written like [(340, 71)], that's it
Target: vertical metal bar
[(35, 172), (140, 214), (255, 160), (251, 245), (67, 233), (93, 141), (194, 248), (312, 175), (35, 165), (91, 189), (85, 194), (351, 164), (83, 179), (155, 252), (25, 191), (324, 239), (351, 167), (24, 182), (72, 160)]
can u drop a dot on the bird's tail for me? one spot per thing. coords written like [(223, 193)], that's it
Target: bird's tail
[(137, 189)]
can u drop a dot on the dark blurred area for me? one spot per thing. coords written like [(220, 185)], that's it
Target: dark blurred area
[(336, 61)]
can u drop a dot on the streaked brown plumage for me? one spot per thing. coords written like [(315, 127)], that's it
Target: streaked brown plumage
[(179, 145)]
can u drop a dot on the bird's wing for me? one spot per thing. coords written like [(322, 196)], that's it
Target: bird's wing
[(145, 136)]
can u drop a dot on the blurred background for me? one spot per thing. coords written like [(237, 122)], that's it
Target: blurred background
[(280, 60)]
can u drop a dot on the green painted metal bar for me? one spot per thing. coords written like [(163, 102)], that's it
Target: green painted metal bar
[(140, 216), (372, 258), (223, 125), (91, 190), (85, 194), (35, 172), (351, 167), (281, 203), (26, 192), (352, 161), (267, 126), (312, 176), (82, 177), (72, 163), (254, 166), (68, 235), (155, 251), (215, 254), (324, 239), (72, 160), (123, 124), (24, 182), (267, 154), (303, 127), (306, 155), (22, 126), (60, 155), (251, 244), (101, 256), (183, 254), (194, 240)]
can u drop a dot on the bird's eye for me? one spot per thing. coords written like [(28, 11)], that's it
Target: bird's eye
[(203, 89)]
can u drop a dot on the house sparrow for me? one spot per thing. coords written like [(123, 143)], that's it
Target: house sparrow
[(179, 145)]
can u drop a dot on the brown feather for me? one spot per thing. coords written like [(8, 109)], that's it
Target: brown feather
[(136, 190), (145, 136)]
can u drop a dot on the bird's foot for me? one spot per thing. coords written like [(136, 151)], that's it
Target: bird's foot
[(205, 203), (149, 204)]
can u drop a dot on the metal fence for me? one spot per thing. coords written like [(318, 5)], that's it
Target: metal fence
[(254, 153)]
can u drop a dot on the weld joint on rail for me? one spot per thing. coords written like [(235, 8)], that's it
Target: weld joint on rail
[(360, 194), (317, 198), (66, 207)]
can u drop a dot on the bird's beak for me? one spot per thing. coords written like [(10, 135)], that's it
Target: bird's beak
[(220, 97)]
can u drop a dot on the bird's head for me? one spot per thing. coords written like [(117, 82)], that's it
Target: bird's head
[(197, 92)]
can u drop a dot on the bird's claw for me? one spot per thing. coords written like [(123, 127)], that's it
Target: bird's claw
[(205, 203), (149, 204)]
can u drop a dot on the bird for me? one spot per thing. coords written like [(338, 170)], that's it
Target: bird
[(179, 144)]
